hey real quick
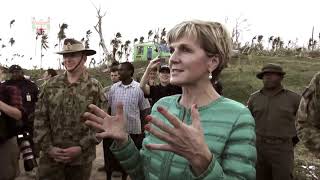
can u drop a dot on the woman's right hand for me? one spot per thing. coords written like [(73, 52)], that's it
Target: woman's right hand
[(108, 126)]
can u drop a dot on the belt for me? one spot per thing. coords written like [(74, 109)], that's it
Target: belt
[(273, 140)]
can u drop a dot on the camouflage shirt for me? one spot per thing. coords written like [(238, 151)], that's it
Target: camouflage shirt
[(308, 117), (58, 113)]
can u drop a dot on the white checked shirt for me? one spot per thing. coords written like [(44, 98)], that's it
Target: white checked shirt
[(133, 100)]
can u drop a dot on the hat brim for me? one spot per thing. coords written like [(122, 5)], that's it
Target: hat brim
[(260, 74), (88, 52)]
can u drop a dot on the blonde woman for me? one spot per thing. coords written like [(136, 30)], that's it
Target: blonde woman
[(196, 135)]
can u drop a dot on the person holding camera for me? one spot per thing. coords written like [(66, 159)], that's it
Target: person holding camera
[(161, 90), (10, 113), (68, 146), (29, 94)]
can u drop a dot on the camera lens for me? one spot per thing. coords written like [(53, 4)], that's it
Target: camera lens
[(26, 151)]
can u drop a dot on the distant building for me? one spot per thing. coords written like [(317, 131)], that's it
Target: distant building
[(150, 50)]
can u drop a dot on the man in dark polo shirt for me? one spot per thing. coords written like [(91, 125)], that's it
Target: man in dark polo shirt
[(161, 90), (274, 110)]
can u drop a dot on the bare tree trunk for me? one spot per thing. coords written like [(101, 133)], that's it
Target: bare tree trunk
[(312, 47), (98, 28), (59, 59), (41, 56)]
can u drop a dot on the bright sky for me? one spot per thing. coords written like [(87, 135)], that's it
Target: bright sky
[(134, 18)]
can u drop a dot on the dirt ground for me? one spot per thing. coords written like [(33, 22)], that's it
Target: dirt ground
[(95, 175)]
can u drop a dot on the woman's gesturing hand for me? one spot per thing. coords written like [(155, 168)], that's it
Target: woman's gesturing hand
[(185, 140), (107, 126)]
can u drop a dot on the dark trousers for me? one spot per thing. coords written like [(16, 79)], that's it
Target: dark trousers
[(111, 162), (137, 139), (9, 153), (275, 159)]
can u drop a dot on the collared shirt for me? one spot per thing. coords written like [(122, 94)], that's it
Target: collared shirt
[(58, 113), (29, 94), (11, 96), (133, 100), (275, 115)]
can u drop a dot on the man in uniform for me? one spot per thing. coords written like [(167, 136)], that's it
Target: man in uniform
[(274, 110), (308, 117), (68, 145)]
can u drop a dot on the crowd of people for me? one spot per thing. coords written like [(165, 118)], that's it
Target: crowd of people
[(173, 124)]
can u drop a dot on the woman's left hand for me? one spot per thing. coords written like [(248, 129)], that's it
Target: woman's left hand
[(185, 140)]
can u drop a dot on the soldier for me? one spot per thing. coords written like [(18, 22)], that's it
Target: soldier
[(308, 118), (274, 109), (68, 146)]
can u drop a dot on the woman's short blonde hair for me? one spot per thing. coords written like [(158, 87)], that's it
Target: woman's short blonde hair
[(213, 37)]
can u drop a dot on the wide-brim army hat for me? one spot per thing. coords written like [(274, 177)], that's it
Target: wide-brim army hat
[(270, 68), (72, 46)]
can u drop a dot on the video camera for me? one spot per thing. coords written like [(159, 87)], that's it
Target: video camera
[(29, 160)]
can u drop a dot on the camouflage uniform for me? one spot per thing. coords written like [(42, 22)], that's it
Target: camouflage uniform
[(308, 118), (58, 123)]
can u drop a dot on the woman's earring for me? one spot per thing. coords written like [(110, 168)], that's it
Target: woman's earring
[(210, 75)]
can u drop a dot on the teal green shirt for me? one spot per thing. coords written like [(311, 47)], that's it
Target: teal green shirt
[(229, 131)]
